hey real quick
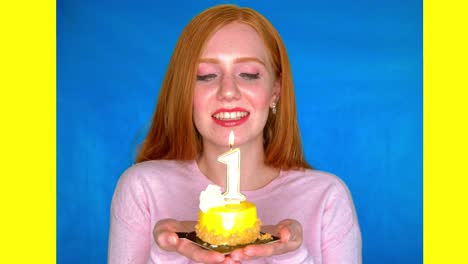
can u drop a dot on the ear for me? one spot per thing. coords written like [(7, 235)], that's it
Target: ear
[(276, 91)]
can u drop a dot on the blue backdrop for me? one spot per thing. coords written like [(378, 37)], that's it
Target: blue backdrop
[(357, 69)]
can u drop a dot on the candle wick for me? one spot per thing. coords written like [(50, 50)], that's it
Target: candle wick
[(230, 146)]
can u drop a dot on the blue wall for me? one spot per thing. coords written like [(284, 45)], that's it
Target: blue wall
[(357, 69)]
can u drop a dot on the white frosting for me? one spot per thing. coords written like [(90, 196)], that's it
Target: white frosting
[(211, 197)]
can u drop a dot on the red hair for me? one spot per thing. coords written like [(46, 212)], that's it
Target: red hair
[(173, 135)]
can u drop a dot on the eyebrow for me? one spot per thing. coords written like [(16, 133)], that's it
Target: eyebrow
[(237, 60)]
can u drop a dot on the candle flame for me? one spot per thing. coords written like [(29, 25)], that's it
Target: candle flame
[(231, 139)]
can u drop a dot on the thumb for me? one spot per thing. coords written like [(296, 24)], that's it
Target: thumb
[(167, 240), (284, 234)]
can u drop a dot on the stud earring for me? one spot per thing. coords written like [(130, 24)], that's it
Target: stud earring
[(273, 108)]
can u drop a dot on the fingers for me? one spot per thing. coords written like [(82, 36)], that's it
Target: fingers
[(166, 225), (257, 251), (284, 234), (198, 254), (164, 234), (229, 260), (270, 229), (263, 250), (170, 242), (186, 226), (290, 233), (290, 230), (238, 255), (167, 240)]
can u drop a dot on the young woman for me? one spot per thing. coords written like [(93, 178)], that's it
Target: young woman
[(229, 72)]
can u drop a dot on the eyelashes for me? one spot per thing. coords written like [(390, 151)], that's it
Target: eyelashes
[(250, 76), (206, 77), (243, 75)]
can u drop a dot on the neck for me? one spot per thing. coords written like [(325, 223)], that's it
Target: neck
[(254, 174)]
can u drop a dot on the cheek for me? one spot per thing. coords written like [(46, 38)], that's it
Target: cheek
[(197, 113), (260, 98), (201, 103), (199, 98), (262, 102), (197, 103)]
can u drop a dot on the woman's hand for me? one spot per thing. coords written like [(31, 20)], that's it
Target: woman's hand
[(166, 238), (290, 234)]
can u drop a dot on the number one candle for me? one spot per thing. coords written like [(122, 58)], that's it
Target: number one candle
[(232, 160)]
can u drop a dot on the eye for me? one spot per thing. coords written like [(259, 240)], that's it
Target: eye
[(249, 76), (207, 77)]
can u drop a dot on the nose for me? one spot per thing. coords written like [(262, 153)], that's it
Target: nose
[(228, 89)]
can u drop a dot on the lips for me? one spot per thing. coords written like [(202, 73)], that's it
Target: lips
[(230, 117)]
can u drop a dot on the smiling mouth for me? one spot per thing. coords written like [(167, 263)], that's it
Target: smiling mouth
[(230, 116)]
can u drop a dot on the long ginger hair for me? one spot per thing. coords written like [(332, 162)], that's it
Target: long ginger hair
[(173, 135)]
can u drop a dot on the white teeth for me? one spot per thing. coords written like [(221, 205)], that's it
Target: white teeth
[(230, 115)]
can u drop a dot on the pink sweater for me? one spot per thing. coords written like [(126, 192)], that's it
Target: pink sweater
[(150, 191)]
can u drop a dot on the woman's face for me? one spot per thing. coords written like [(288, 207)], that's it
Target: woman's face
[(235, 87)]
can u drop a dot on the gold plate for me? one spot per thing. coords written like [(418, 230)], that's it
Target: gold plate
[(224, 249)]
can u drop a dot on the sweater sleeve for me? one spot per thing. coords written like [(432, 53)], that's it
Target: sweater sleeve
[(130, 230), (341, 237), (299, 256), (332, 234)]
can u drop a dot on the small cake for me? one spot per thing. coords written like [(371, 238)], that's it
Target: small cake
[(222, 223)]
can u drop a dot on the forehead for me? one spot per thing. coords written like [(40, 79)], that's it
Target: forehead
[(235, 39)]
